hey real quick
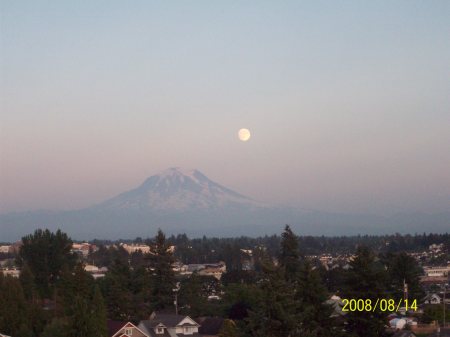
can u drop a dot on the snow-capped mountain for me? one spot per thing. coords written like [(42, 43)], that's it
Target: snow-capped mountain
[(177, 189), (186, 201)]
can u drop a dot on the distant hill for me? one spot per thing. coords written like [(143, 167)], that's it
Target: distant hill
[(186, 201)]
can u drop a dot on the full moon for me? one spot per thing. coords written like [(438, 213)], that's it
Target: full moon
[(244, 134)]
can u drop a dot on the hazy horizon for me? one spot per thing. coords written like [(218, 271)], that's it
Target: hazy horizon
[(347, 103)]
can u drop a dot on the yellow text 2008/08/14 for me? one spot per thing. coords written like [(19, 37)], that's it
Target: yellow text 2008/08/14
[(381, 304)]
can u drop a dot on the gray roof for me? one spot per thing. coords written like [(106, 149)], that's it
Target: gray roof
[(168, 320), (148, 328)]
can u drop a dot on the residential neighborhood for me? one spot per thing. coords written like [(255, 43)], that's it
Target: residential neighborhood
[(204, 283)]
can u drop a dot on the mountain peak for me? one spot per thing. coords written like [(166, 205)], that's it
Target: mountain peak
[(172, 171), (181, 190)]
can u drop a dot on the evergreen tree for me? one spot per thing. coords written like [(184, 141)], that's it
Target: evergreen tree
[(403, 268), (140, 287), (312, 314), (289, 254), (25, 331), (435, 312), (311, 294), (366, 279), (191, 296), (27, 280), (228, 329), (115, 287), (82, 323), (58, 327), (72, 284), (163, 276), (99, 313), (276, 313), (13, 307), (37, 318), (46, 253)]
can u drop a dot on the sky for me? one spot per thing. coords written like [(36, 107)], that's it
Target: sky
[(348, 102)]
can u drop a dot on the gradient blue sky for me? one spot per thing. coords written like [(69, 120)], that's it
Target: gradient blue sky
[(348, 102)]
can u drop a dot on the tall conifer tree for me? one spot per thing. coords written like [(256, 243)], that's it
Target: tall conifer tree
[(366, 279), (99, 316), (162, 273)]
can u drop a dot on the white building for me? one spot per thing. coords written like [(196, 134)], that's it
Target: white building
[(437, 271), (134, 248), (5, 249)]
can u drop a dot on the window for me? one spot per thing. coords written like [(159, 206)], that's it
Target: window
[(159, 331), (128, 332)]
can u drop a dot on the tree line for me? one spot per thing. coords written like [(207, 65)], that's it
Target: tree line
[(285, 295)]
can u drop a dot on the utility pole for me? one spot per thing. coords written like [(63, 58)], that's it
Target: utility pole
[(445, 290), (175, 290), (405, 290)]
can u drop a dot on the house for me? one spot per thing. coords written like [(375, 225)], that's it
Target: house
[(336, 304), (83, 248), (5, 249), (11, 272), (432, 299), (124, 329), (165, 325), (90, 268), (179, 267), (436, 271), (214, 272), (144, 249)]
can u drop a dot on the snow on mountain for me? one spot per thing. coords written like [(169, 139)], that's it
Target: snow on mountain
[(177, 189), (186, 201)]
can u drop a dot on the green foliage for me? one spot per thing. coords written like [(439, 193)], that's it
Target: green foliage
[(46, 254), (193, 295), (72, 284), (116, 289), (27, 281), (37, 317), (58, 327), (273, 300), (163, 277), (13, 307), (292, 300), (311, 294), (276, 313), (366, 280), (335, 279), (289, 254), (107, 256), (25, 331), (239, 276), (435, 312), (404, 268), (229, 329), (99, 316), (81, 322), (140, 287), (240, 299)]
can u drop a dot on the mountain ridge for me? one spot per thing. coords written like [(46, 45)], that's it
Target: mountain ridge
[(187, 201), (177, 190)]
